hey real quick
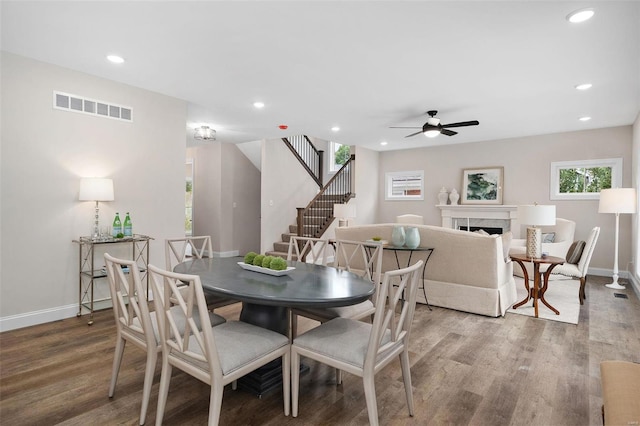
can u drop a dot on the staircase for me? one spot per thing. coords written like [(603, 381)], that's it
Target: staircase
[(318, 217), (314, 219)]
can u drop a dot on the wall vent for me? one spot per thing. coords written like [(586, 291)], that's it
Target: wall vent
[(75, 103)]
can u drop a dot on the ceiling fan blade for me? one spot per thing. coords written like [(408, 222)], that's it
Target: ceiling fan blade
[(413, 134), (448, 132), (462, 124)]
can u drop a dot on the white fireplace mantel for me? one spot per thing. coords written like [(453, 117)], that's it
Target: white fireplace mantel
[(465, 212)]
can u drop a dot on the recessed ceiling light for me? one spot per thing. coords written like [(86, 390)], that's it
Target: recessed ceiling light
[(335, 129), (584, 118), (584, 86), (383, 143), (115, 59), (580, 15), (258, 105)]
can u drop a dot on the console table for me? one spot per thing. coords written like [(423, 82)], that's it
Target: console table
[(88, 274), (405, 249)]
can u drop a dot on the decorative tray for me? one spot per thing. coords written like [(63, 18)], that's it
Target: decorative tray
[(267, 271)]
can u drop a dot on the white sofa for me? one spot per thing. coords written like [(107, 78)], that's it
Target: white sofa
[(466, 271)]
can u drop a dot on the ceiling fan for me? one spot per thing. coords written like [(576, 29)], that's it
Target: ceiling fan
[(433, 128)]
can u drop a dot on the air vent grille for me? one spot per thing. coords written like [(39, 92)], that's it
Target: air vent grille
[(75, 103)]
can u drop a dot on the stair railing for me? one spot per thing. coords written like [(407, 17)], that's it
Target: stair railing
[(307, 154), (313, 220)]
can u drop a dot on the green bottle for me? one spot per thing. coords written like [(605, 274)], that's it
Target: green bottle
[(117, 226), (128, 231)]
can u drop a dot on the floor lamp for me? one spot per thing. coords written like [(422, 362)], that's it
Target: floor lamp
[(617, 200)]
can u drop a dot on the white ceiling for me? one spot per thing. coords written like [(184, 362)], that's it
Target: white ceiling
[(359, 65)]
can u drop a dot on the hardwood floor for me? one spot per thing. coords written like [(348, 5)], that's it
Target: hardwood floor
[(466, 369)]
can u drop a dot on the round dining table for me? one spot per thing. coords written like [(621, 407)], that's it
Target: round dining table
[(266, 299)]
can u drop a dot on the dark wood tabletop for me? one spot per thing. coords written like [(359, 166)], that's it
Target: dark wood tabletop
[(308, 285)]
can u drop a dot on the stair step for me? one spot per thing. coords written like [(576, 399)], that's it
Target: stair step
[(278, 254), (281, 247)]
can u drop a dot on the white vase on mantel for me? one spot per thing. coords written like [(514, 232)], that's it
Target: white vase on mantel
[(443, 195), (454, 196)]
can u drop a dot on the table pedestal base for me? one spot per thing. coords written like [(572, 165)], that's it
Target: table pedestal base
[(268, 377)]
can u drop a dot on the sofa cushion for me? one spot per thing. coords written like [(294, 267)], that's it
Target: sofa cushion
[(575, 252)]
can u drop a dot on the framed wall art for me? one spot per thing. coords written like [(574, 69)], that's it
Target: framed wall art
[(482, 186)]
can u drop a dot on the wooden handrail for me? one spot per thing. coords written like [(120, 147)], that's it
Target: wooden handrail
[(309, 157)]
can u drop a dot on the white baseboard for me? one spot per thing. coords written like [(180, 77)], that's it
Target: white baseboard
[(233, 253), (27, 319)]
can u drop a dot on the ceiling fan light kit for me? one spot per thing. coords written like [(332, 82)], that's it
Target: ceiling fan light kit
[(433, 127)]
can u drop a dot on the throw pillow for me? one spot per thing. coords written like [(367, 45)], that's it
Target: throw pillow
[(575, 252), (548, 237), (481, 232), (506, 244)]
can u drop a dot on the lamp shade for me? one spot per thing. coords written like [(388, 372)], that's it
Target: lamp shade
[(96, 189), (537, 215), (617, 200), (344, 210)]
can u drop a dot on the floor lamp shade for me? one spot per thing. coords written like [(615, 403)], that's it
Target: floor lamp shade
[(536, 215), (344, 212), (96, 189), (616, 201)]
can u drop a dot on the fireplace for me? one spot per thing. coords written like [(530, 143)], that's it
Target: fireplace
[(488, 230), (498, 218)]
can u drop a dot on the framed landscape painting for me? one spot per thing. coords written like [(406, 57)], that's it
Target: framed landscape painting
[(482, 186)]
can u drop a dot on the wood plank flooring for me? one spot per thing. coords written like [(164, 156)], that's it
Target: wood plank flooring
[(466, 370)]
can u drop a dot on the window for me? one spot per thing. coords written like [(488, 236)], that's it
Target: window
[(583, 180), (405, 185), (338, 155)]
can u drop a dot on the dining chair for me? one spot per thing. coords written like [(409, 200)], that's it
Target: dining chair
[(307, 249), (361, 348), (577, 269), (361, 258), (216, 356), (177, 250), (134, 322)]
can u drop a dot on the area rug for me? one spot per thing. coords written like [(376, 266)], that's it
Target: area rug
[(562, 295)]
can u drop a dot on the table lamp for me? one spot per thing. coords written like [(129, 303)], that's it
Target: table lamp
[(617, 200), (96, 189), (344, 212), (536, 215)]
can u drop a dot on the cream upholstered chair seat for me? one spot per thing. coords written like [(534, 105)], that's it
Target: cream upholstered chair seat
[(216, 356), (412, 219), (135, 324), (361, 348)]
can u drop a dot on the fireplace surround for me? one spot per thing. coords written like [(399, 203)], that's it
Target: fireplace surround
[(481, 216)]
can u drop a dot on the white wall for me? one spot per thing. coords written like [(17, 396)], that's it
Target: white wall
[(526, 163), (226, 198), (367, 189), (45, 152), (286, 185), (635, 178)]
